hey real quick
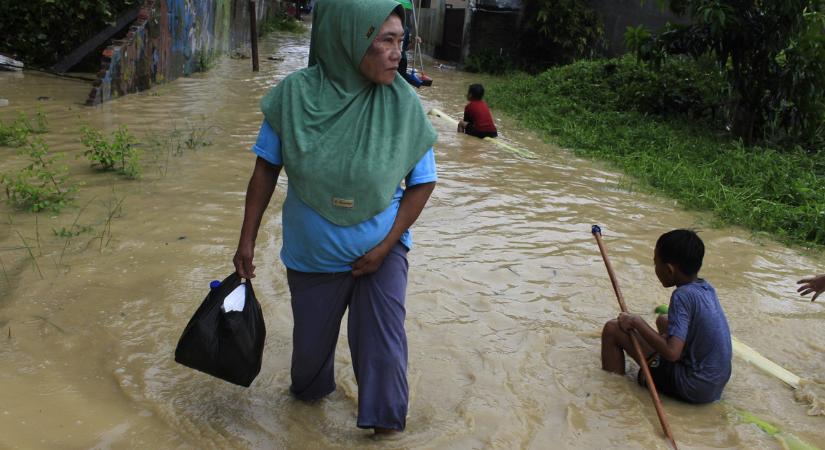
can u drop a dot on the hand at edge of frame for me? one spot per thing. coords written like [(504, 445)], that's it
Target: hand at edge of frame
[(815, 285)]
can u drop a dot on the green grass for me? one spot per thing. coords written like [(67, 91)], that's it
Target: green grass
[(595, 109)]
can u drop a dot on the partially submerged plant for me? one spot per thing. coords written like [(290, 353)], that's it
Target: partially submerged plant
[(43, 184), (120, 155), (16, 133)]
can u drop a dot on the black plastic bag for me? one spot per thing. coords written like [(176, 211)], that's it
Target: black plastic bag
[(227, 345)]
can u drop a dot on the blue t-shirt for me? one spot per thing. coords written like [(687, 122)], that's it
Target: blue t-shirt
[(696, 317), (311, 243)]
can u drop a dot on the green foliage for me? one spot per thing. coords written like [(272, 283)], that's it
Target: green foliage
[(488, 61), (638, 39), (679, 88), (42, 184), (558, 32), (13, 135), (17, 133), (773, 55), (583, 107), (282, 22), (120, 155), (43, 30)]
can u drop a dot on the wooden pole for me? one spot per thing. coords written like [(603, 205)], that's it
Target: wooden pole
[(253, 34), (657, 403)]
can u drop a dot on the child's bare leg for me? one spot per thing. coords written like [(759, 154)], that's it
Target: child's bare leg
[(661, 323), (615, 343)]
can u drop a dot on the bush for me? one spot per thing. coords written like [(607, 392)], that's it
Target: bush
[(773, 56), (40, 185), (488, 61), (119, 155), (680, 87)]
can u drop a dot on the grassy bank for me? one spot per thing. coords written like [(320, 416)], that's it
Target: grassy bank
[(607, 110)]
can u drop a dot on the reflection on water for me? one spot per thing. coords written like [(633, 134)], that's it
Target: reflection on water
[(506, 299)]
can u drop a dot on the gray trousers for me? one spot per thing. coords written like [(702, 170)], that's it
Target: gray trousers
[(375, 328)]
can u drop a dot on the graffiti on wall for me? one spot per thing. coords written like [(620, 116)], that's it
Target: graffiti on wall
[(172, 38)]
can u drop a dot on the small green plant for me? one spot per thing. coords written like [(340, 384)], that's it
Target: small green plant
[(43, 184), (16, 134), (13, 135), (120, 155)]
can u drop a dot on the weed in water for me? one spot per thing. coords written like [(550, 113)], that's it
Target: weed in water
[(115, 208), (120, 155), (5, 273), (73, 230), (198, 137), (162, 146), (43, 184), (37, 236), (31, 253)]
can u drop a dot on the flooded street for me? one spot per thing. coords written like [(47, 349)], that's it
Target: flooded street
[(506, 299)]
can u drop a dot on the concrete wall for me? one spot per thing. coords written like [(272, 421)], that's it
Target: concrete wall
[(173, 38)]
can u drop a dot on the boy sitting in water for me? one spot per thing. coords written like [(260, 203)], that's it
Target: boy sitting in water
[(690, 354), (478, 121)]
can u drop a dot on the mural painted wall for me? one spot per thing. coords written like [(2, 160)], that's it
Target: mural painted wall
[(173, 38)]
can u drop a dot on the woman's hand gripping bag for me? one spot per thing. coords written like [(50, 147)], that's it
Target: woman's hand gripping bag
[(225, 337)]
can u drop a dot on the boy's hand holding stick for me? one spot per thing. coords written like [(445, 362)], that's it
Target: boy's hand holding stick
[(597, 232)]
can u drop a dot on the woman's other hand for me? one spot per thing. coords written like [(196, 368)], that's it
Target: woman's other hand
[(370, 262)]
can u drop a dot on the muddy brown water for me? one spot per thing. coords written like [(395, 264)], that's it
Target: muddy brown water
[(506, 299)]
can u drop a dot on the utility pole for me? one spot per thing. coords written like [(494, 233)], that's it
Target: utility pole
[(253, 34)]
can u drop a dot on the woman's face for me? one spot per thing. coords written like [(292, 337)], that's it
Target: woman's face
[(381, 60)]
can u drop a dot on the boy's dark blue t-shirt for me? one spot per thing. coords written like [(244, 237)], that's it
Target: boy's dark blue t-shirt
[(696, 316)]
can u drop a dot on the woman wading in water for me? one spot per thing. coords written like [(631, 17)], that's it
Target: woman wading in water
[(348, 130)]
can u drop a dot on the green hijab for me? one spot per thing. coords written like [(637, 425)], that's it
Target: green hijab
[(346, 142)]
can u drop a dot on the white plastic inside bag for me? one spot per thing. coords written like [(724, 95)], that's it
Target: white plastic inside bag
[(235, 300)]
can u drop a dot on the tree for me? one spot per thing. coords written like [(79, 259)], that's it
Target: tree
[(558, 32), (772, 52), (41, 31)]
